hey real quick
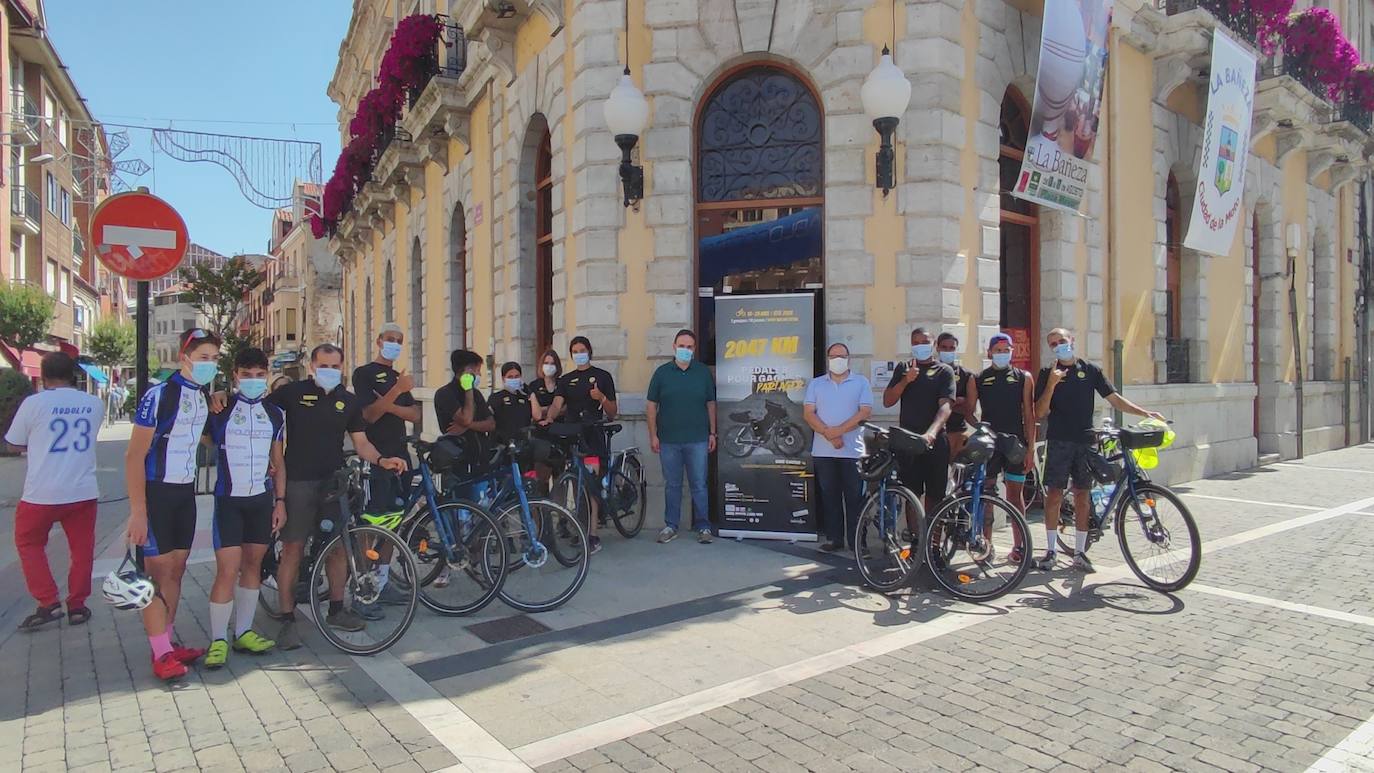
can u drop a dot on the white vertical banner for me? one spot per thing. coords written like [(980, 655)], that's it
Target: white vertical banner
[(1225, 147)]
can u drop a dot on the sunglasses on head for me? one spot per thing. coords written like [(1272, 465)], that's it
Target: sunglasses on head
[(195, 335)]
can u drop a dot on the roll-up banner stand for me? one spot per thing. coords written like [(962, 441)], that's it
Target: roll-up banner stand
[(765, 354)]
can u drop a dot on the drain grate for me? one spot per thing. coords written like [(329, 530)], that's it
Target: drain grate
[(507, 629)]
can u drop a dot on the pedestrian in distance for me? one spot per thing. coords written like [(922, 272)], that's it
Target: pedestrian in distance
[(681, 410), (57, 428), (1064, 392), (837, 403), (925, 387), (160, 474), (587, 394), (250, 505)]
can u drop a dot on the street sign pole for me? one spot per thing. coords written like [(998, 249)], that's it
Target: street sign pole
[(141, 342)]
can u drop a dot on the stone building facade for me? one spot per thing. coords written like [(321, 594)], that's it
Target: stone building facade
[(495, 220)]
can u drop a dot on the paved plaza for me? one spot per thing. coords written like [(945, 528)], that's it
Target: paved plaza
[(767, 656)]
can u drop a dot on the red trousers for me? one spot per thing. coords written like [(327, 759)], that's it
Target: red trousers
[(32, 523)]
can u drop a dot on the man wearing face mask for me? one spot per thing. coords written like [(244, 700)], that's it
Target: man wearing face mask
[(160, 474), (587, 394), (319, 413), (250, 505), (1004, 397), (386, 402), (926, 390), (510, 407), (682, 431), (1064, 393), (947, 351), (836, 403)]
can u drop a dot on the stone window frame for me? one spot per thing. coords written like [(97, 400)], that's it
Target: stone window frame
[(415, 336)]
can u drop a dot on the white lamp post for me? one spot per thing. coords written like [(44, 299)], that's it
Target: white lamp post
[(627, 113), (886, 93)]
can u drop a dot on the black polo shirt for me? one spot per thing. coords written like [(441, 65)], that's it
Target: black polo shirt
[(575, 388), (388, 432), (1071, 408), (448, 399), (540, 391), (957, 422), (315, 427), (1000, 393), (512, 412), (921, 398)]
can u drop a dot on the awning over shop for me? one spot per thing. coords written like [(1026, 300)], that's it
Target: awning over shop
[(95, 373), (770, 244), (161, 374)]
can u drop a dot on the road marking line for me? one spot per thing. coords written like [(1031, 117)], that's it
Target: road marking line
[(476, 749), (1306, 609), (1251, 502), (1355, 753), (1302, 466), (572, 742)]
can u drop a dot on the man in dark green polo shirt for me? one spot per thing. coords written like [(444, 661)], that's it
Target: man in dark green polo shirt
[(682, 431)]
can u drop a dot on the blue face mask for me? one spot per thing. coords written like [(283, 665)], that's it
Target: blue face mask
[(328, 378), (581, 358), (252, 388), (204, 373), (514, 384), (391, 350), (1001, 359), (949, 358), (683, 354), (1064, 351), (922, 352)]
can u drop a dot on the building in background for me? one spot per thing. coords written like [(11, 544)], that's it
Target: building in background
[(196, 255), (53, 169), (170, 317)]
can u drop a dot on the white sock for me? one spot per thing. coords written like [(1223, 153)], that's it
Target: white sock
[(1080, 541), (1051, 538), (383, 573), (219, 619), (245, 606)]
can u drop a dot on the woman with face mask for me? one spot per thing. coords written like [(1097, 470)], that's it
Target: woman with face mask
[(587, 394), (511, 404), (543, 386), (1004, 397)]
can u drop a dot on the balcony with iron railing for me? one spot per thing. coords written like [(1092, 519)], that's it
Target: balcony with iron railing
[(1240, 21), (27, 210), (78, 246), (25, 120)]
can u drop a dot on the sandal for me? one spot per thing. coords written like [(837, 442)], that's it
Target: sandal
[(41, 617), (78, 615)]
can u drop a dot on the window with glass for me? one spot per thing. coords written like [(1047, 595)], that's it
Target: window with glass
[(51, 190), (543, 223), (1019, 226), (66, 211), (50, 278)]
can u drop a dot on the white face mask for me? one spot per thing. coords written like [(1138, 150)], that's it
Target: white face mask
[(839, 365), (550, 369)]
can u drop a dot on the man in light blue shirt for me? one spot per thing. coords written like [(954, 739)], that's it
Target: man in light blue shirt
[(837, 402)]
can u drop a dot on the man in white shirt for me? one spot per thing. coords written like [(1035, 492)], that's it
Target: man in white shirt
[(57, 427)]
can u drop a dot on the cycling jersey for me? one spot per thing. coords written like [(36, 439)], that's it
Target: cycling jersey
[(1001, 392), (244, 433), (177, 411), (957, 422)]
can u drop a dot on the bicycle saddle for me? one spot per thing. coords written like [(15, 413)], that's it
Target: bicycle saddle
[(564, 431), (611, 429)]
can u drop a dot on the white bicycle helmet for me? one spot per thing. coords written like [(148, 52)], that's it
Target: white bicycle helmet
[(128, 588)]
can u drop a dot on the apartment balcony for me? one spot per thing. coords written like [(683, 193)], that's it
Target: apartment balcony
[(25, 121), (26, 210), (439, 108), (1183, 45), (78, 248)]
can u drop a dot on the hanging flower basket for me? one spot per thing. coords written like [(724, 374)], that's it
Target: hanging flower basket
[(1268, 18), (1359, 89), (1317, 54), (412, 56)]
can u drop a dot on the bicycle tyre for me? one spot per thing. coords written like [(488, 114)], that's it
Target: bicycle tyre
[(317, 573), (631, 497), (572, 496), (569, 551), (788, 439), (1195, 547), (739, 441), (908, 558), (430, 561), (949, 515)]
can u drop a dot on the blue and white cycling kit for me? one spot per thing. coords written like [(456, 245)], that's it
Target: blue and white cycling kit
[(244, 433), (177, 411)]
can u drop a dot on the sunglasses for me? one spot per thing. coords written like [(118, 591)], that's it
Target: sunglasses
[(195, 335)]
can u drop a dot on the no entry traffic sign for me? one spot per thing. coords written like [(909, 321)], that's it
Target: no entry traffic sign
[(138, 236)]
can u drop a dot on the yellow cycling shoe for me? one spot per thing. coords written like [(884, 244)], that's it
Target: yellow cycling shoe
[(216, 654), (250, 641)]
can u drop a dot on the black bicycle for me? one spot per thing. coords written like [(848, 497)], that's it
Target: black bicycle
[(1157, 534), (773, 430), (621, 490), (356, 554)]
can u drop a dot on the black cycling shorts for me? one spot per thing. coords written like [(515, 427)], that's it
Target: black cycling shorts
[(926, 474), (1065, 460), (171, 518), (240, 520)]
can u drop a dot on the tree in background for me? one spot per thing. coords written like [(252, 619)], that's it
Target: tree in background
[(25, 314), (229, 351), (14, 387), (220, 295), (111, 343)]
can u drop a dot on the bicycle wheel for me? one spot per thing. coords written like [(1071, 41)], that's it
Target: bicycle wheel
[(548, 565), (567, 493), (360, 582), (1158, 537), (886, 559), (739, 442), (462, 578), (982, 565), (628, 497), (788, 439), (269, 598)]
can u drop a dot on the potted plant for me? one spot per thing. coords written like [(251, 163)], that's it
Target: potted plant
[(1317, 54)]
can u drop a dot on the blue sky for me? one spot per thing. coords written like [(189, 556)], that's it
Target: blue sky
[(261, 66)]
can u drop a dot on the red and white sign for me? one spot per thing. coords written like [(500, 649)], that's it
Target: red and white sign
[(138, 235)]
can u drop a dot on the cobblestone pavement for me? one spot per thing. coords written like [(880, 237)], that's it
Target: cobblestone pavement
[(1262, 665)]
